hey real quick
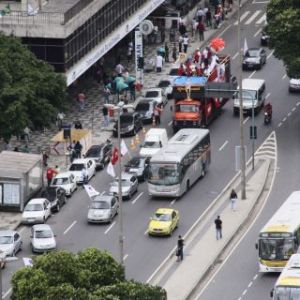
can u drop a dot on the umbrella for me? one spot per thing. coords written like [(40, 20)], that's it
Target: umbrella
[(217, 44)]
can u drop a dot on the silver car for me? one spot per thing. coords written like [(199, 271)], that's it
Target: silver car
[(42, 238), (157, 95), (103, 209), (10, 242), (129, 185)]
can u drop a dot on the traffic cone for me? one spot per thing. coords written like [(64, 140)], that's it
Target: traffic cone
[(132, 144), (137, 139)]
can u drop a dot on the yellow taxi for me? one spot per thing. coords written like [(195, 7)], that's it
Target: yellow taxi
[(164, 221)]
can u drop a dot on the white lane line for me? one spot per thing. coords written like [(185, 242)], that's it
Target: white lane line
[(102, 193), (222, 147), (224, 30), (289, 114), (245, 121), (298, 103), (137, 197), (252, 74), (268, 95), (235, 55), (172, 202), (279, 125), (6, 293), (243, 16), (284, 119), (146, 232), (271, 53), (257, 32), (294, 108), (125, 256), (255, 276), (244, 292), (170, 123), (66, 231), (22, 229), (250, 284), (253, 17), (110, 227), (283, 77), (261, 19)]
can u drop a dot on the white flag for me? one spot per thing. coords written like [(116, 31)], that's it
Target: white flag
[(27, 261), (124, 148), (90, 191), (110, 170), (245, 47)]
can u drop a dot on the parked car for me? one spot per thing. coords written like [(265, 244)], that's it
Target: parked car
[(42, 238), (294, 84), (77, 166), (37, 210), (101, 154), (166, 86), (129, 185), (56, 196), (164, 222), (103, 209), (145, 109), (254, 58), (130, 124), (65, 181), (10, 242), (139, 166), (2, 259), (155, 94)]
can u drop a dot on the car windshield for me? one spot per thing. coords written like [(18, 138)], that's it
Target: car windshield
[(152, 94), (173, 72), (134, 162), (276, 249), (248, 95), (123, 182), (142, 106), (34, 207), (76, 167), (60, 181), (43, 234), (126, 119), (93, 152), (162, 217), (164, 174), (187, 108), (100, 205), (287, 293), (6, 239), (151, 144), (252, 53), (164, 83)]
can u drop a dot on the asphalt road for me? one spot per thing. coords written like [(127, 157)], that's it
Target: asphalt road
[(144, 254)]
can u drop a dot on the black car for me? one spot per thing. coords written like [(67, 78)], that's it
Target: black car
[(130, 123), (139, 166), (56, 196), (254, 58), (101, 154)]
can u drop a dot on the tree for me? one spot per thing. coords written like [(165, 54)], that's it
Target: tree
[(31, 92), (283, 18), (91, 274)]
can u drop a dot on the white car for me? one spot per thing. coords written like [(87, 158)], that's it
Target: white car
[(66, 181), (129, 185), (77, 166), (37, 210), (42, 238), (166, 86), (294, 85), (10, 242), (155, 94)]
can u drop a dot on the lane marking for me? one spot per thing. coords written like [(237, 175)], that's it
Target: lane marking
[(255, 276), (261, 19), (289, 114), (244, 292), (224, 30), (137, 197), (253, 17), (6, 293), (294, 108), (172, 202), (125, 256), (271, 53), (245, 121), (243, 16), (235, 55), (146, 232), (252, 74), (110, 227), (66, 231), (170, 123), (102, 193), (283, 77), (284, 119), (298, 103), (257, 32), (222, 147), (250, 284), (279, 125), (268, 95)]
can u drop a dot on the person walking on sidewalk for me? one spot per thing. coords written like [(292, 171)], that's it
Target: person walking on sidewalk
[(157, 112), (185, 43), (105, 116), (81, 100), (50, 174), (78, 149), (201, 29), (159, 63), (179, 251), (218, 223), (233, 199), (180, 41), (174, 53)]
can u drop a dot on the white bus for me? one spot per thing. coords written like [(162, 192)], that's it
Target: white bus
[(280, 237), (178, 165), (287, 286)]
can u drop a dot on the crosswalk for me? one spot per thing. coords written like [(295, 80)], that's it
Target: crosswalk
[(249, 18)]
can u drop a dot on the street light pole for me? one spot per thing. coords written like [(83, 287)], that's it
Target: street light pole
[(253, 133), (242, 143)]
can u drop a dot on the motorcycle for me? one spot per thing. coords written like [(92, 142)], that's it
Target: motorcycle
[(267, 118)]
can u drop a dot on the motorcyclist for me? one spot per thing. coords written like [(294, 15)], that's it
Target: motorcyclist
[(269, 109)]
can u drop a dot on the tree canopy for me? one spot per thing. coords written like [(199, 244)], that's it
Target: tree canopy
[(30, 90), (91, 274), (283, 17)]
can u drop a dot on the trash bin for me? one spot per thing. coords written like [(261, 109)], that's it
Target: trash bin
[(111, 112)]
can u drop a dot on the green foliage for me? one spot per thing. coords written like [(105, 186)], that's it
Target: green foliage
[(90, 275), (30, 91), (283, 18)]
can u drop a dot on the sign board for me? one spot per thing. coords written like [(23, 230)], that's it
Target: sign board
[(139, 53)]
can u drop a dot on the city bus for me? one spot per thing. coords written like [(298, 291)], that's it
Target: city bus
[(280, 237), (287, 286), (180, 163)]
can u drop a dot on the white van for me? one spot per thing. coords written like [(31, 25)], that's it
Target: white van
[(253, 96), (155, 139)]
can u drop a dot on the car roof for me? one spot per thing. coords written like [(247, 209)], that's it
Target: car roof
[(81, 160), (254, 49), (36, 200), (63, 175), (166, 211), (104, 198), (158, 89), (96, 146), (41, 227), (129, 114), (7, 232)]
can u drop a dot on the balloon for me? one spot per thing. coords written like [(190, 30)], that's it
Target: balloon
[(217, 44)]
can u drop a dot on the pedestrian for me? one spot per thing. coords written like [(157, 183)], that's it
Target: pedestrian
[(208, 17), (218, 223), (179, 251), (59, 120), (201, 29), (85, 177), (81, 100), (50, 174), (157, 112), (159, 63), (200, 15), (26, 133), (182, 28), (119, 69), (77, 124), (180, 41), (233, 199), (57, 169), (106, 94), (129, 51), (78, 149), (105, 116), (185, 43), (7, 146), (45, 158), (166, 53), (174, 53), (16, 149)]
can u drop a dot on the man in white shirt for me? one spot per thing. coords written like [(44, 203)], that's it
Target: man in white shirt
[(159, 63), (119, 69), (185, 43)]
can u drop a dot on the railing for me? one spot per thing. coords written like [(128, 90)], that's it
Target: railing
[(76, 9)]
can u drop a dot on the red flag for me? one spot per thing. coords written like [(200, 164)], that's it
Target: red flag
[(115, 156)]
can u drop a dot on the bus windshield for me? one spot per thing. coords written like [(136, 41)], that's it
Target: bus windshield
[(187, 108), (276, 249), (164, 174), (287, 293)]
